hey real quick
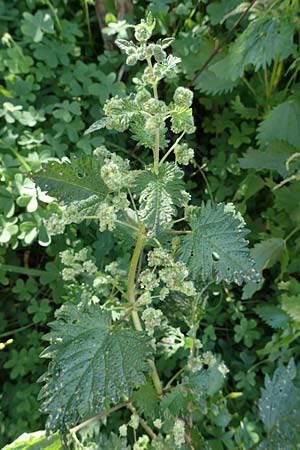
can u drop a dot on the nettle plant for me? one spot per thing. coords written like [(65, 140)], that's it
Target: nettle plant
[(105, 343)]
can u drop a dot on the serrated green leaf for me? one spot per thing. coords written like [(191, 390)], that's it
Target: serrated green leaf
[(267, 253), (146, 400), (72, 181), (216, 248), (272, 158), (282, 123), (159, 194), (273, 315), (35, 441), (207, 381), (279, 409), (291, 305), (265, 39), (91, 363)]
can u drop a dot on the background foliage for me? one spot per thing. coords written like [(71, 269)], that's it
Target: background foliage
[(57, 72)]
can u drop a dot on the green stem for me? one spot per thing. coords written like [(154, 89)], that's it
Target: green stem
[(56, 18), (157, 136), (169, 383), (16, 330), (294, 231), (266, 81), (251, 89), (172, 148), (87, 20), (17, 155), (22, 270), (131, 298)]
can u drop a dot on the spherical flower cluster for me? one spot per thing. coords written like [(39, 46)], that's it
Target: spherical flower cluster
[(158, 423), (209, 359), (141, 443), (115, 110), (172, 341), (112, 176), (142, 32), (223, 369), (183, 97), (107, 217), (77, 264), (184, 154), (179, 433), (158, 53), (142, 97), (134, 421), (153, 123), (54, 225), (144, 299), (183, 121), (159, 257), (174, 278), (115, 170), (123, 430), (148, 280), (152, 318)]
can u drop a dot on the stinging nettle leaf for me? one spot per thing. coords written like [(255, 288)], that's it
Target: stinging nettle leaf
[(273, 315), (72, 181), (282, 123), (159, 195), (35, 441), (279, 410), (91, 363), (216, 248)]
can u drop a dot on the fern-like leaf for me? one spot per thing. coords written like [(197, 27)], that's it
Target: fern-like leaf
[(216, 248), (159, 194), (279, 410), (91, 363)]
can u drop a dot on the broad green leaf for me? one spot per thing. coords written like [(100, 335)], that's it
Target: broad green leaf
[(77, 184), (282, 123), (159, 194), (279, 410), (267, 253), (216, 248), (34, 26), (265, 39), (291, 305), (146, 400), (91, 363), (272, 158), (35, 441), (208, 381), (273, 315)]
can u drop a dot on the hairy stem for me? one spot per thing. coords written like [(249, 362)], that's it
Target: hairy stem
[(87, 20), (157, 136), (131, 298), (98, 417)]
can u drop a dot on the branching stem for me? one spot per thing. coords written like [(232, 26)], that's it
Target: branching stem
[(157, 136), (131, 298), (99, 416)]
